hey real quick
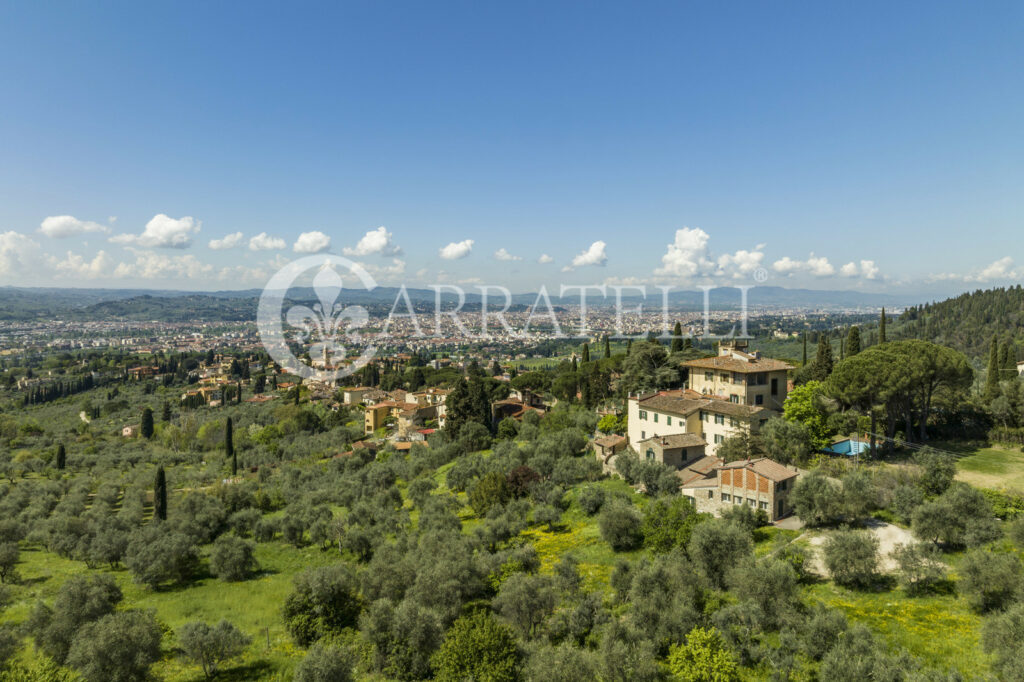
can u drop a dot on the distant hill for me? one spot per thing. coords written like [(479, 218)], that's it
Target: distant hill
[(968, 322), (29, 303)]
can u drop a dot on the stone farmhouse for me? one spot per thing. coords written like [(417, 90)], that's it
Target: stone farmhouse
[(759, 483)]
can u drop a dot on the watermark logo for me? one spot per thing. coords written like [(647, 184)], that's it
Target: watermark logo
[(322, 341)]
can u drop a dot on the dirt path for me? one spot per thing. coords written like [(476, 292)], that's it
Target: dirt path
[(888, 536)]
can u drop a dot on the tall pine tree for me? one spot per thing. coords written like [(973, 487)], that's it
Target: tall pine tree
[(992, 375), (229, 446), (853, 341), (677, 338), (160, 495), (823, 362), (146, 428)]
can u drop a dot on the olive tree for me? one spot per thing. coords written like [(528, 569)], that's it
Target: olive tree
[(210, 645), (119, 647)]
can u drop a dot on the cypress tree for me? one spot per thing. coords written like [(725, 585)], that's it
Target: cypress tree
[(992, 376), (166, 415), (457, 408), (607, 347), (687, 343), (629, 346), (479, 402), (229, 446), (805, 349), (160, 495), (62, 457), (239, 401), (586, 352), (574, 365), (853, 341), (295, 395), (823, 361), (677, 338), (1004, 356), (842, 349), (146, 428), (881, 327)]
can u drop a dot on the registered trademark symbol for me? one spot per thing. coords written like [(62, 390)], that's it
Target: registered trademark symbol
[(760, 275)]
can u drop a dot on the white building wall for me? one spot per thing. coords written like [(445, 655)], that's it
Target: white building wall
[(639, 429)]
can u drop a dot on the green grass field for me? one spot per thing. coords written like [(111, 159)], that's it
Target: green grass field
[(939, 629), (253, 605), (993, 467)]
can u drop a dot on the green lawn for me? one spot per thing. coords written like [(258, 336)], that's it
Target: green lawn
[(994, 467), (253, 605), (941, 630)]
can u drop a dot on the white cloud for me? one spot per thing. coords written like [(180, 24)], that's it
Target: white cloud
[(60, 226), (228, 242), (456, 250), (75, 265), (17, 252), (867, 269), (815, 265), (687, 255), (241, 273), (1000, 269), (593, 255), (545, 258), (264, 242), (312, 242), (503, 254), (163, 232), (741, 263), (151, 265), (377, 241)]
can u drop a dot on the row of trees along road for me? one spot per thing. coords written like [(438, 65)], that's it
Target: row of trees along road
[(897, 382)]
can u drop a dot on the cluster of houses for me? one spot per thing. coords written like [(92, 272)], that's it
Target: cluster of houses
[(736, 391)]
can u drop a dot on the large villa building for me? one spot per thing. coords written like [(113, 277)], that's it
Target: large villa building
[(731, 392)]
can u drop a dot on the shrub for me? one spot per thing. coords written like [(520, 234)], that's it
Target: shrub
[(717, 545), (851, 558), (620, 526), (210, 645), (704, 656), (81, 600), (326, 662), (489, 491), (9, 553), (590, 497), (920, 567), (547, 514), (323, 601), (119, 647), (668, 523), (1003, 636), (244, 522), (232, 558), (265, 530), (989, 579), (816, 499), (477, 647), (157, 555)]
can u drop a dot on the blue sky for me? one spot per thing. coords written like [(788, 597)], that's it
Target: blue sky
[(886, 139)]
